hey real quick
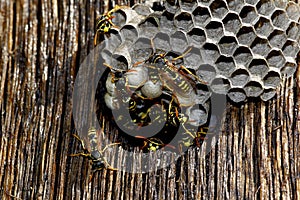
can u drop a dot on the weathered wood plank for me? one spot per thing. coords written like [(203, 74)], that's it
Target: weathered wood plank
[(43, 44)]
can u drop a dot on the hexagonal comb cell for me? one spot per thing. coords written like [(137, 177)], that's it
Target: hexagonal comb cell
[(268, 94), (166, 22), (218, 9), (280, 4), (197, 115), (210, 53), (141, 50), (246, 35), (171, 6), (265, 7), (225, 65), (227, 45), (276, 59), (129, 33), (243, 56), (106, 55), (178, 40), (237, 95), (263, 27), (260, 46), (280, 19), (193, 58), (258, 67), (187, 4), (183, 21), (196, 37), (289, 69), (206, 72), (214, 30), (162, 41), (119, 61), (272, 79), (290, 48), (220, 85), (277, 39), (252, 2), (232, 23), (293, 31), (235, 5), (205, 2), (114, 40), (141, 9), (201, 16), (240, 77), (149, 27), (119, 18), (253, 89), (293, 11), (248, 14)]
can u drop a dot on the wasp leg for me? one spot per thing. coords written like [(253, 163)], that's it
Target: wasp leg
[(108, 166), (107, 65), (111, 168), (182, 55), (110, 145), (80, 140), (181, 68), (81, 154), (95, 38), (137, 63), (111, 68)]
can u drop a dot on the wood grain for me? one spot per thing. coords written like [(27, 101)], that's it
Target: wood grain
[(42, 45)]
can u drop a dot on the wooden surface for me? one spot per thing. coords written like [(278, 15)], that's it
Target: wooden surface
[(42, 46)]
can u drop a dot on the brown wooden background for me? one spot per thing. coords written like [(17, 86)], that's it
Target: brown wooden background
[(42, 46)]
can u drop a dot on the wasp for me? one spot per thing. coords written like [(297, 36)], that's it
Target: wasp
[(169, 66), (195, 139), (104, 22), (92, 152), (181, 81), (144, 111)]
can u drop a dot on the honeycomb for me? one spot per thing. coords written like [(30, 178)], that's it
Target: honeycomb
[(241, 48)]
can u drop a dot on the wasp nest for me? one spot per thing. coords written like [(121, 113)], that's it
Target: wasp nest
[(242, 48)]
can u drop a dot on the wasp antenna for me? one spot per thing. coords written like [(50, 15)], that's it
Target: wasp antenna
[(80, 140), (110, 145)]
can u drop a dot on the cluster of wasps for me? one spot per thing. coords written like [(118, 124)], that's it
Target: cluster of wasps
[(153, 92), (155, 82)]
